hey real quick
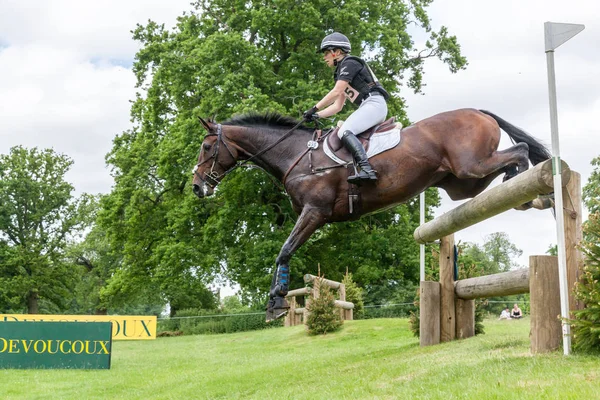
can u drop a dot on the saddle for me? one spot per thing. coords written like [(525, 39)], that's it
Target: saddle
[(335, 142), (375, 140)]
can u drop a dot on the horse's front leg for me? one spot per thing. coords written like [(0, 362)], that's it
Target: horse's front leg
[(309, 221)]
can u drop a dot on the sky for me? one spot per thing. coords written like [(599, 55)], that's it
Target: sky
[(66, 83)]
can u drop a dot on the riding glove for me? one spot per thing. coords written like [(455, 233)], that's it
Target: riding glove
[(311, 115)]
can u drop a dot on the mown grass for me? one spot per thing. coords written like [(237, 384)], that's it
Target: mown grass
[(368, 359)]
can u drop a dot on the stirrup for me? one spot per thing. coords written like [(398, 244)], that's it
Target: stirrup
[(362, 176)]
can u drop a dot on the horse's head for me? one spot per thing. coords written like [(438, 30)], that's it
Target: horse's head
[(215, 159)]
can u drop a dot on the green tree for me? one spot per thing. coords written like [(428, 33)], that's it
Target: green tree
[(228, 57), (586, 327), (354, 295), (497, 254), (38, 216)]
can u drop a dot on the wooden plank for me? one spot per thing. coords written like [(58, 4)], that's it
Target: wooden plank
[(346, 305), (447, 310), (332, 284), (573, 237), (546, 328), (503, 284), (429, 313), (305, 291), (465, 318), (510, 194)]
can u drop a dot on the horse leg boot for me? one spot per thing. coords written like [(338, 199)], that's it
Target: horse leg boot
[(278, 306), (359, 154)]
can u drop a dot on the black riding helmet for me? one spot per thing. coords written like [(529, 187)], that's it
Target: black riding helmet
[(335, 41)]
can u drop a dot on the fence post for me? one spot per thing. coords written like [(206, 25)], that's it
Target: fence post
[(465, 318), (573, 237), (429, 313), (447, 310), (546, 328)]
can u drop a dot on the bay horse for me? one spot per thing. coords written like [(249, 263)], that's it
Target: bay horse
[(455, 150)]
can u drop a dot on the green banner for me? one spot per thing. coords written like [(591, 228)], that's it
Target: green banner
[(83, 345)]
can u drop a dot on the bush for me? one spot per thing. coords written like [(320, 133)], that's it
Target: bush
[(586, 326), (323, 316), (354, 295)]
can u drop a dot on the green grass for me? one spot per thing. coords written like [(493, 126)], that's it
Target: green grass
[(367, 359)]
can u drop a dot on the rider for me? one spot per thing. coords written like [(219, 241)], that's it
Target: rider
[(355, 81)]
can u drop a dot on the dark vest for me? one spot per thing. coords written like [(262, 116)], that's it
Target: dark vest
[(363, 84)]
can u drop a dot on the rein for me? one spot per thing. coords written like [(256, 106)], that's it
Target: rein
[(212, 178)]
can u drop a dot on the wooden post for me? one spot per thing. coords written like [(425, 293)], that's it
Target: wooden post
[(429, 313), (342, 293), (290, 318), (447, 310), (465, 318), (573, 237), (546, 329), (349, 314)]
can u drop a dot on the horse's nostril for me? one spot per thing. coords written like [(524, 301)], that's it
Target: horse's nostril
[(196, 189)]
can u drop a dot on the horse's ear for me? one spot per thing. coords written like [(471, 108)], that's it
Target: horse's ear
[(206, 125)]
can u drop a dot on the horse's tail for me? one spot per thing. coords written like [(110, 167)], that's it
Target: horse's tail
[(537, 151)]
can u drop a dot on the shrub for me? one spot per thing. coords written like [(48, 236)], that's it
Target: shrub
[(323, 315), (586, 326), (354, 295)]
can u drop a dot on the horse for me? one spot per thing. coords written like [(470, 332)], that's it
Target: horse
[(455, 150)]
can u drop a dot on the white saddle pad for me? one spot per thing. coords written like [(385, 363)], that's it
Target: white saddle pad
[(379, 143)]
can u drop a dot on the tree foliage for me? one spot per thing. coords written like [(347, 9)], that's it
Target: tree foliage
[(354, 295), (226, 57), (586, 327), (38, 216)]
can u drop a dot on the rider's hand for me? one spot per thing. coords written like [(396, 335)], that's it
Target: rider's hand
[(311, 115)]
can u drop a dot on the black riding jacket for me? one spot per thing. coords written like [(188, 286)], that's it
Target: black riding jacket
[(361, 80)]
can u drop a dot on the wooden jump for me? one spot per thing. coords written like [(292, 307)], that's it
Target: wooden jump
[(447, 307), (297, 315), (513, 193)]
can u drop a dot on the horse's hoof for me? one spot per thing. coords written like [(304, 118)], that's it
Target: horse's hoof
[(275, 313), (525, 206), (277, 307)]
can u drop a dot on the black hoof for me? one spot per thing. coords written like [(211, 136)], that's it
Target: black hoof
[(277, 307), (275, 313)]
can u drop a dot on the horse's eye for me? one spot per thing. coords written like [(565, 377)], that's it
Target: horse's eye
[(207, 147)]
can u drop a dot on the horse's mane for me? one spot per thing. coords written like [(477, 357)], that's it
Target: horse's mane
[(269, 118)]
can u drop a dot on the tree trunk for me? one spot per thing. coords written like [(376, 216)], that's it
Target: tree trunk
[(32, 302)]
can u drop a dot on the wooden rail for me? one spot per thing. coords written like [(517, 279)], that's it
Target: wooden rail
[(510, 194)]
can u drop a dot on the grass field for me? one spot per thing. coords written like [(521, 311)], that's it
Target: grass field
[(368, 359)]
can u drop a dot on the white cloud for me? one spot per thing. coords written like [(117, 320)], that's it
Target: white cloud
[(65, 82), (504, 44), (62, 83)]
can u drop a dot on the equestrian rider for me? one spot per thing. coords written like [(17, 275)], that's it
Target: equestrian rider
[(354, 81)]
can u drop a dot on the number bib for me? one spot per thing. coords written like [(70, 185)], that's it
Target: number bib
[(351, 94)]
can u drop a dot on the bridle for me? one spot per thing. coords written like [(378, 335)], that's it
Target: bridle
[(212, 178)]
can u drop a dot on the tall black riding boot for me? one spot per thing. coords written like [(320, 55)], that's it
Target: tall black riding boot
[(359, 154)]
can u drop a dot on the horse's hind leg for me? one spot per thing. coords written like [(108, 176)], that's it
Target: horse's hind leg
[(512, 161)]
